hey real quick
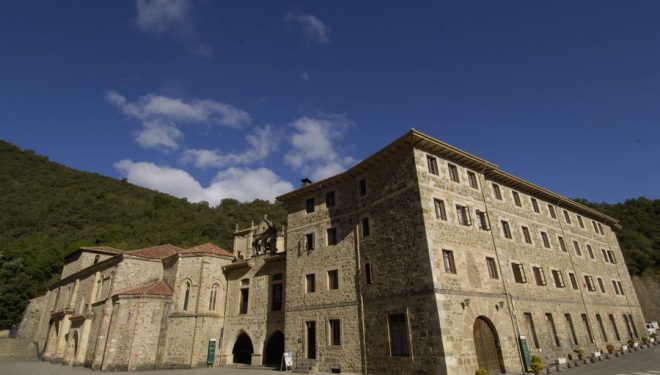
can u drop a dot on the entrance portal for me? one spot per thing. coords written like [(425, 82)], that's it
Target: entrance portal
[(274, 349), (487, 346), (243, 349), (311, 340)]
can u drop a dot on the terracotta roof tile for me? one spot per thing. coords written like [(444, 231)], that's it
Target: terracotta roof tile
[(102, 249), (208, 248), (156, 252), (157, 288)]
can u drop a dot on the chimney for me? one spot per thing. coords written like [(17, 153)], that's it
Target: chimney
[(306, 181)]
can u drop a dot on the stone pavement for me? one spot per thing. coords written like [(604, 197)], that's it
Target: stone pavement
[(46, 368), (643, 362)]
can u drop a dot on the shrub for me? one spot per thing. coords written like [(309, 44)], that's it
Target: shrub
[(609, 347), (630, 343), (578, 351), (481, 371), (654, 336), (645, 340), (537, 364)]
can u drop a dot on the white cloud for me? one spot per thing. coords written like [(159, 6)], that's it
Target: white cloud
[(164, 17), (313, 146), (312, 28), (155, 134), (262, 140), (243, 184)]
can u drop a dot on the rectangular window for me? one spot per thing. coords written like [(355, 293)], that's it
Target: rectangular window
[(472, 179), (531, 331), (602, 327), (632, 323), (482, 220), (368, 273), (363, 187), (432, 163), (587, 328), (365, 227), (595, 226), (571, 329), (590, 251), (462, 215), (600, 229), (576, 246), (453, 172), (497, 192), (333, 279), (518, 273), (505, 229), (309, 205), (399, 346), (620, 287), (245, 294), (492, 268), (567, 217), (615, 287), (310, 283), (334, 337), (552, 331), (590, 283), (574, 283), (539, 276), (551, 209), (331, 234), (516, 198), (601, 285), (625, 320), (448, 259), (276, 302), (605, 258), (615, 328), (309, 241), (610, 256), (440, 212), (526, 235), (546, 241), (559, 278), (580, 221), (535, 205), (562, 244), (330, 199)]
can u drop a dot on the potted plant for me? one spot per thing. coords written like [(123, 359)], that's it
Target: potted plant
[(645, 340), (537, 364), (579, 352), (610, 348), (481, 371)]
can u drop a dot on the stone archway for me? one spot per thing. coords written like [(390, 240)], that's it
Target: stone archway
[(72, 349), (487, 346), (274, 349), (243, 349)]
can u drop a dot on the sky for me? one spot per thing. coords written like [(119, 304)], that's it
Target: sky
[(209, 100)]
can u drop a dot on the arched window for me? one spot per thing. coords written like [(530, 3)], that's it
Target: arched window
[(214, 296), (186, 295)]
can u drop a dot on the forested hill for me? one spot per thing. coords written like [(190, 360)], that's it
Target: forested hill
[(48, 210)]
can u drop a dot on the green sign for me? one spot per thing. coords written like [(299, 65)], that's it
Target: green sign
[(210, 358), (524, 349)]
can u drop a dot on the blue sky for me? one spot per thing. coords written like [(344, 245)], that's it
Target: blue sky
[(207, 99)]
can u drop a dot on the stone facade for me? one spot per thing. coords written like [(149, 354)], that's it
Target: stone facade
[(421, 259)]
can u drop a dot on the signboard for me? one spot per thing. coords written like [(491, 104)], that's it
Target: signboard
[(287, 361), (524, 349), (210, 358)]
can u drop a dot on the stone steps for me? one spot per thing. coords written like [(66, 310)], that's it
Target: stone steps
[(18, 350)]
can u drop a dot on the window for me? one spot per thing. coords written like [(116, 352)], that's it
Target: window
[(472, 179), (630, 332), (213, 297), (368, 273), (602, 327), (309, 205), (363, 187), (615, 328), (330, 199), (595, 226), (492, 268), (580, 221), (574, 283), (448, 259), (590, 251), (518, 273), (505, 229), (551, 329), (571, 329), (276, 297), (331, 234), (546, 241), (497, 192), (516, 198), (605, 258), (245, 294), (551, 209), (567, 217), (333, 279), (96, 259), (453, 172), (310, 283), (587, 328), (462, 215), (610, 255), (440, 212), (590, 283), (365, 227), (482, 220), (309, 241), (600, 229), (576, 246), (526, 235), (562, 244), (535, 205), (539, 276), (531, 331), (632, 323), (620, 287), (558, 278), (432, 164), (245, 282), (615, 287), (601, 285), (334, 332), (186, 295), (399, 346)]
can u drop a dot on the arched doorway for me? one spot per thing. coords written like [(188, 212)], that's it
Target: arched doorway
[(487, 346), (274, 349), (243, 349), (72, 349)]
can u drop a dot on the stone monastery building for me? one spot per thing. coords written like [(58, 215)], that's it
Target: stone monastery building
[(421, 259)]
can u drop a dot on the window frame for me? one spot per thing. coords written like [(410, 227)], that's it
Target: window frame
[(453, 172), (432, 165), (448, 261)]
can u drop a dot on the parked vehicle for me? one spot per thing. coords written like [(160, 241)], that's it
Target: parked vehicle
[(650, 328)]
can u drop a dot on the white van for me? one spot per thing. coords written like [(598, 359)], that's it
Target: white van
[(650, 328)]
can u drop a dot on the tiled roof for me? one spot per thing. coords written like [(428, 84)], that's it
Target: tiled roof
[(157, 288), (102, 249), (244, 230), (156, 252), (208, 248)]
